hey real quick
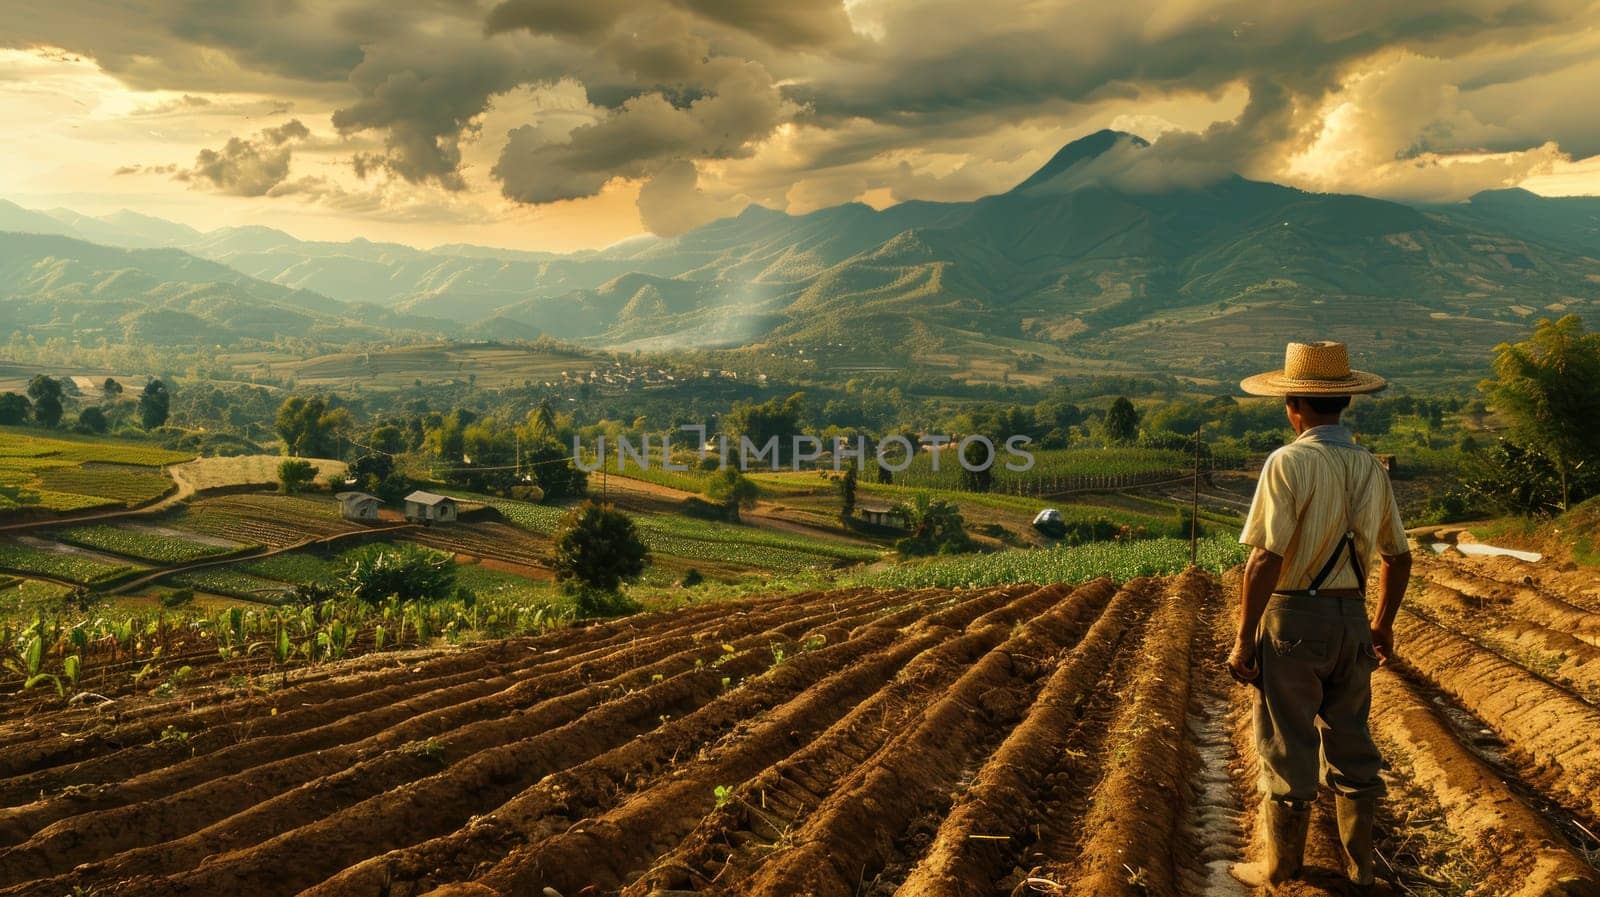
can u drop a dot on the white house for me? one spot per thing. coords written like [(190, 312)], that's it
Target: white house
[(359, 506), (882, 515), (426, 507)]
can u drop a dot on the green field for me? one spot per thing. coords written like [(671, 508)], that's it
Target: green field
[(69, 474), (706, 541), (232, 582), (60, 564), (1118, 560), (140, 544)]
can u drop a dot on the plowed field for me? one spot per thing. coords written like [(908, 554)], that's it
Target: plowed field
[(1013, 740)]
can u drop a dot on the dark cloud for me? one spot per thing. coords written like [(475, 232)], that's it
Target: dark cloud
[(248, 167), (643, 136), (426, 94), (861, 97), (780, 23)]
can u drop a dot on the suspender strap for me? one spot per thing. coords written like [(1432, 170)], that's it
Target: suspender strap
[(1347, 542)]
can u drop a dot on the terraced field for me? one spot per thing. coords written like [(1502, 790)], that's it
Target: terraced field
[(1000, 740)]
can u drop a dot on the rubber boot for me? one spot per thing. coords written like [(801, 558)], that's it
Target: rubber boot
[(1355, 833), (1283, 825)]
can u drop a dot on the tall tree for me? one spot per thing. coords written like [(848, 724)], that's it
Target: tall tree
[(779, 418), (1122, 421), (308, 427), (154, 404), (542, 421), (1548, 388), (847, 493), (46, 393)]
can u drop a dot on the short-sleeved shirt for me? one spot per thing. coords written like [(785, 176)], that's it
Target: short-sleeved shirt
[(1314, 490)]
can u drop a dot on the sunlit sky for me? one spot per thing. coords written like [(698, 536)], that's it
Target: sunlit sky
[(543, 124)]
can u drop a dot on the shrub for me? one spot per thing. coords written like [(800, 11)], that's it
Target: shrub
[(588, 603), (937, 527), (406, 572), (294, 475), (598, 548)]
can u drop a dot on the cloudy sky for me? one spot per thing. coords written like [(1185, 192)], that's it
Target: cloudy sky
[(565, 124)]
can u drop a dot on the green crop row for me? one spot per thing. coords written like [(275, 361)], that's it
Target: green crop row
[(1119, 560), (144, 545), (59, 564)]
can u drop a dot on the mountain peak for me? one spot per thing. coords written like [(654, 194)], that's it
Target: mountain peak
[(1080, 150)]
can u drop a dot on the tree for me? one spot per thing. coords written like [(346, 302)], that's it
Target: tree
[(387, 439), (92, 419), (111, 388), (542, 421), (405, 572), (937, 527), (294, 475), (598, 547), (774, 418), (308, 427), (46, 394), (154, 404), (733, 490), (555, 473), (1548, 387), (977, 474), (1122, 421), (370, 467), (847, 494), (14, 409)]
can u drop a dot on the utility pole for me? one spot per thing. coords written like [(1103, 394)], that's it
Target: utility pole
[(1194, 506)]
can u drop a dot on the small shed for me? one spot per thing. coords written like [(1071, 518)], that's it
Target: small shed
[(426, 507), (881, 515), (359, 506)]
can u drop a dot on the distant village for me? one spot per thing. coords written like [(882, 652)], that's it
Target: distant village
[(621, 377)]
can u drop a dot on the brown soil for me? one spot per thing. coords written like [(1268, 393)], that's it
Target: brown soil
[(1019, 740)]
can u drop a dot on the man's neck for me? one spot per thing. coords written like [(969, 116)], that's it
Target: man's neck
[(1309, 423)]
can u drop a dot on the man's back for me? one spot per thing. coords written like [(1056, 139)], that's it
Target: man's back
[(1314, 490)]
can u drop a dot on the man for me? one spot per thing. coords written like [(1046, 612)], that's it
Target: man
[(1322, 508)]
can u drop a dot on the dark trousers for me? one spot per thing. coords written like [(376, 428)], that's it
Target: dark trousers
[(1316, 659)]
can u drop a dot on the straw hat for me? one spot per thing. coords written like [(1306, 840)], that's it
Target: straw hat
[(1314, 369)]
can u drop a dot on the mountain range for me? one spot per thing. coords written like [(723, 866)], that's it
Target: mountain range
[(1064, 269)]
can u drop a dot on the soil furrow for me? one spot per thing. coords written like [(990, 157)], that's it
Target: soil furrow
[(980, 838), (553, 804), (155, 810), (1518, 851), (602, 853), (1135, 820), (1554, 728), (850, 836)]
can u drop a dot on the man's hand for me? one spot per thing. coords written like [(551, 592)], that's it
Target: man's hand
[(1242, 664), (1383, 644)]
